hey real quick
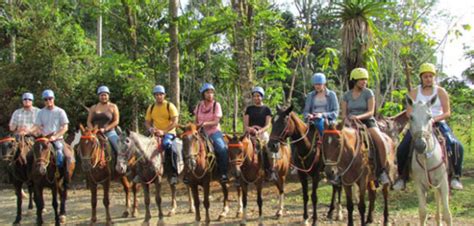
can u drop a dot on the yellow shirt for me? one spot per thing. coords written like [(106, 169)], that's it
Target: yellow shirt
[(161, 116)]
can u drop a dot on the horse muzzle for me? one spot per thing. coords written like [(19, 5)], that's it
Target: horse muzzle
[(331, 174), (420, 145), (42, 170), (86, 166), (121, 168)]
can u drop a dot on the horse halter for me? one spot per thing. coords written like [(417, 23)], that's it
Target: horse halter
[(284, 133), (339, 155), (95, 148), (238, 146), (47, 159), (8, 156), (428, 136)]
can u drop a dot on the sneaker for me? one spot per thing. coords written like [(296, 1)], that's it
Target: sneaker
[(399, 185), (456, 184), (383, 178), (224, 179), (173, 180)]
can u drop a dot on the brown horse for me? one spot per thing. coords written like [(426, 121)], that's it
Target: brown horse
[(200, 169), (247, 164), (306, 156), (346, 156), (13, 154), (45, 173), (97, 165)]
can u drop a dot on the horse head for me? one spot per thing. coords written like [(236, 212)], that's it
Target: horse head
[(89, 148), (331, 149), (239, 148), (8, 147), (42, 153), (281, 126), (192, 144), (125, 152), (421, 125)]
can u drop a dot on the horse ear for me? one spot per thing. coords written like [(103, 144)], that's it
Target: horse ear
[(81, 127), (227, 138), (289, 109), (278, 108), (409, 100), (433, 100)]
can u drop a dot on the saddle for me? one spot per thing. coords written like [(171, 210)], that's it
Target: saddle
[(366, 144)]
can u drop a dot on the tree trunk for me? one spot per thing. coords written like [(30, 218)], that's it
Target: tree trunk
[(13, 36), (99, 31), (174, 53)]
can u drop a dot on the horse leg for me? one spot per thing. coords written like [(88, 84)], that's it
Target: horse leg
[(339, 206), (190, 200), (93, 189), (135, 199), (174, 205), (239, 198), (106, 202), (333, 201), (421, 202), (304, 186), (195, 191), (126, 188), (62, 208), (226, 203), (54, 193), (39, 202), (30, 193), (385, 205), (350, 205), (281, 193), (314, 197), (206, 200), (260, 202), (438, 206), (146, 193), (19, 201), (245, 188), (372, 197), (158, 199), (444, 196), (361, 205)]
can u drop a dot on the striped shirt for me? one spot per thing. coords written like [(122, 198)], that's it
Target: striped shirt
[(24, 118)]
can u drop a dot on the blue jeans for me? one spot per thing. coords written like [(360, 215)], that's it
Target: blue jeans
[(453, 146), (220, 149), (319, 124), (113, 139), (59, 147), (171, 155)]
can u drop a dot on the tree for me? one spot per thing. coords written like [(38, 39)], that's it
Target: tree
[(174, 53)]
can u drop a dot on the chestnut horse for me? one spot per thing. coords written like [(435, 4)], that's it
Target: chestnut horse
[(97, 165), (346, 156), (247, 164), (200, 169), (45, 173), (306, 156), (13, 154)]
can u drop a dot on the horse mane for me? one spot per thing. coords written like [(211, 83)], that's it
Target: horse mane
[(301, 127), (146, 145)]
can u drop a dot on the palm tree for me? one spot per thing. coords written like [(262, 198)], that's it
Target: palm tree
[(357, 29)]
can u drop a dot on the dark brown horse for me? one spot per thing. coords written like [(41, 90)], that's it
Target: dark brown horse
[(200, 169), (45, 173), (247, 164), (306, 156), (346, 156), (13, 153), (98, 166)]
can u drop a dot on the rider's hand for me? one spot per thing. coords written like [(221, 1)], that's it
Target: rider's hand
[(52, 138), (317, 115), (159, 132), (102, 130), (151, 130), (353, 117)]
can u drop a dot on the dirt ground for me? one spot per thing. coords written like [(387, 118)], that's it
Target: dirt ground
[(78, 208)]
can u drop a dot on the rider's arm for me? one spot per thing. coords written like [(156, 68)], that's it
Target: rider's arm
[(13, 122), (89, 117), (172, 125), (115, 120), (333, 107), (62, 130), (444, 99), (268, 119), (246, 122), (370, 109), (343, 109)]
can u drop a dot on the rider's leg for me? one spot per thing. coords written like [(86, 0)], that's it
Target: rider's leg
[(170, 157), (319, 124), (220, 149), (456, 153), (376, 135), (114, 140)]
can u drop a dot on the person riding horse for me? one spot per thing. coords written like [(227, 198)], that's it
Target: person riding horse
[(208, 113), (440, 112), (320, 104), (52, 120), (257, 120), (161, 120), (359, 104), (105, 115)]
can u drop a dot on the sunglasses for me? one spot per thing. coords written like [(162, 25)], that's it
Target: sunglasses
[(27, 99), (46, 99)]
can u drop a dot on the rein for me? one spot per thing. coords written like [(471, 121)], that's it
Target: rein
[(196, 150), (429, 137), (240, 146)]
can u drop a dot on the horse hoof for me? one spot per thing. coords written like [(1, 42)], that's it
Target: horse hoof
[(220, 218), (237, 215), (279, 214), (62, 219), (125, 214), (243, 222), (93, 220), (191, 210), (161, 222), (306, 222), (171, 213)]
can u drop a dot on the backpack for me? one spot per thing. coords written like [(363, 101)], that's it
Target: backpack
[(167, 108), (213, 108)]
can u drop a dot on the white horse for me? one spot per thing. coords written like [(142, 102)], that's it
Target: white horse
[(428, 166)]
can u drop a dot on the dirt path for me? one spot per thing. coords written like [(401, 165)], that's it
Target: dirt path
[(78, 208)]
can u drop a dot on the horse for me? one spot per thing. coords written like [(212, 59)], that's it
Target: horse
[(429, 165), (200, 169), (345, 156), (13, 154), (247, 164), (45, 173), (306, 153), (96, 163)]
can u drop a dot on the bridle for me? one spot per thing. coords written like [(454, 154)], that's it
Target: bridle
[(9, 156), (96, 152), (47, 159), (287, 131)]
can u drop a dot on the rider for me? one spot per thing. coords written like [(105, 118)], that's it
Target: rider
[(23, 119), (440, 111), (105, 115), (257, 120), (208, 113), (359, 104), (52, 120), (321, 103), (161, 120)]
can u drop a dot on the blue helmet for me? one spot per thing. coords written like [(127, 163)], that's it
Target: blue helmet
[(258, 89), (27, 96), (318, 78), (48, 93), (158, 89), (103, 89), (205, 87)]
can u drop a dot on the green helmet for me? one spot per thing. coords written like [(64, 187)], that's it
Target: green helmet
[(427, 67), (359, 73)]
